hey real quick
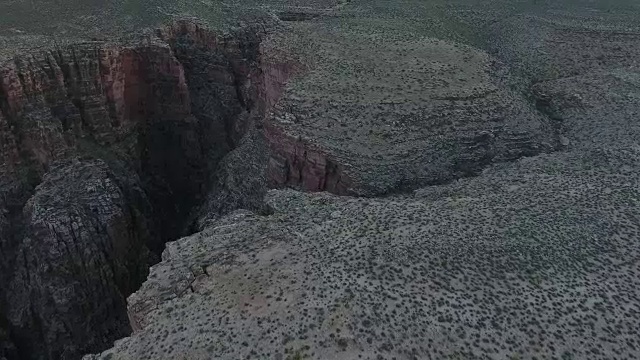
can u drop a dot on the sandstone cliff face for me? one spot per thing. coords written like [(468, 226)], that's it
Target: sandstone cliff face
[(107, 102), (162, 113)]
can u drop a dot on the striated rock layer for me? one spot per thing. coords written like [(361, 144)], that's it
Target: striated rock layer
[(297, 163), (160, 113)]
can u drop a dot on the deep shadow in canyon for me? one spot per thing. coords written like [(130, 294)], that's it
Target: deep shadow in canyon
[(108, 151)]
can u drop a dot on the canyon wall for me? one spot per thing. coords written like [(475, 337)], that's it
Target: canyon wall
[(297, 163), (105, 151), (110, 150)]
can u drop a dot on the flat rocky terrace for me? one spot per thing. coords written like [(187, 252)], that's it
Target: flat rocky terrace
[(320, 179), (539, 266)]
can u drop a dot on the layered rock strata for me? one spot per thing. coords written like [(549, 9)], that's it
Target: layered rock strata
[(161, 113), (84, 249), (188, 115)]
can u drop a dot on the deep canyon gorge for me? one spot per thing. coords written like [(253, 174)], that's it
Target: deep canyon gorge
[(107, 149), (273, 189)]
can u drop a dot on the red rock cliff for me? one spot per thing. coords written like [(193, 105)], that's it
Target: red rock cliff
[(162, 113)]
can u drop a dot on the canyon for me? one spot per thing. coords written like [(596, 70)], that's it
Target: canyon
[(79, 233), (107, 149), (273, 188)]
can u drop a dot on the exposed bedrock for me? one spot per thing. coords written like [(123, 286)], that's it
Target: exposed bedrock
[(296, 163), (109, 151), (77, 236), (429, 112), (83, 250)]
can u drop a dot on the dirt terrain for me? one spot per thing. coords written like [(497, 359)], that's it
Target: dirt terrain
[(322, 179)]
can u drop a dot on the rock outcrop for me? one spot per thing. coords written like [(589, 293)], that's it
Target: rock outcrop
[(298, 163), (529, 259), (84, 249), (162, 112), (435, 113), (110, 148)]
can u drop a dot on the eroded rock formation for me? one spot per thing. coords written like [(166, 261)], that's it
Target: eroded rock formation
[(84, 249), (297, 163), (161, 113), (110, 149)]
